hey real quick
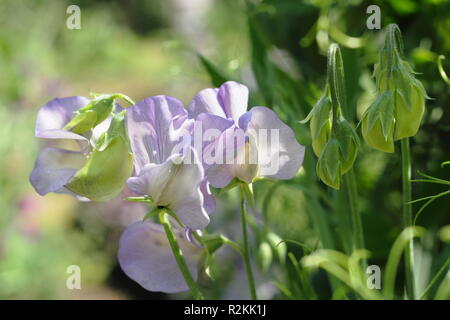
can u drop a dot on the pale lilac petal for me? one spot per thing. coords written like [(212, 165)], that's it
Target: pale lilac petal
[(220, 156), (52, 118), (220, 175), (233, 97), (209, 202), (279, 154), (175, 184), (210, 121), (207, 129), (155, 126), (206, 102), (145, 256), (54, 168)]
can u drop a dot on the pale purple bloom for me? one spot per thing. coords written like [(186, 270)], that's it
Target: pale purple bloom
[(226, 108), (54, 167), (157, 126), (173, 177), (146, 257)]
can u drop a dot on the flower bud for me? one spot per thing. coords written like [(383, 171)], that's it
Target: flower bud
[(348, 144), (109, 165), (329, 165), (409, 104), (378, 123), (321, 122), (92, 114), (265, 256)]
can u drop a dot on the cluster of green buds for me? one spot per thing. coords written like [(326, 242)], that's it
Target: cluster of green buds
[(334, 139), (398, 108)]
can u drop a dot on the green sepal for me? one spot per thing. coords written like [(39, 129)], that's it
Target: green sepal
[(348, 144), (328, 166), (247, 191), (212, 242), (152, 213), (96, 111), (233, 184), (108, 166), (378, 123), (321, 123)]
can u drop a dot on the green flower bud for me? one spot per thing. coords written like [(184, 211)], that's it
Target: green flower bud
[(378, 123), (321, 122), (278, 247), (109, 165), (348, 144), (394, 74), (212, 242), (409, 104), (92, 114), (265, 256), (328, 167)]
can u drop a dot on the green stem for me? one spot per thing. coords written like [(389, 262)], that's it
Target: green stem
[(358, 234), (246, 255), (178, 254), (407, 215), (443, 269)]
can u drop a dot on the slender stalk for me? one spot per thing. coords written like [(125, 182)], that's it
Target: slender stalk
[(443, 269), (164, 218), (358, 234), (246, 255), (407, 216)]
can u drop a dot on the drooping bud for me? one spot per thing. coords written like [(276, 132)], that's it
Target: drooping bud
[(109, 165), (378, 123), (329, 166), (409, 106), (348, 144), (320, 119), (394, 74)]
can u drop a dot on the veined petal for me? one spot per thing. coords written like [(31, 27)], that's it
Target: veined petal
[(175, 184), (52, 118), (145, 256), (233, 98), (155, 125), (221, 157), (54, 168), (279, 154), (206, 102)]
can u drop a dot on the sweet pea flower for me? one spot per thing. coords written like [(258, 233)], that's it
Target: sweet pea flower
[(85, 173), (173, 177), (146, 257), (269, 147)]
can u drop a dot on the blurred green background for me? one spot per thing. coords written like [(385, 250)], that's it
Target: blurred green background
[(143, 48)]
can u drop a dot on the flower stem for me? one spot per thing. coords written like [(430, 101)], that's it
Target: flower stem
[(164, 218), (246, 255), (407, 215), (358, 234)]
